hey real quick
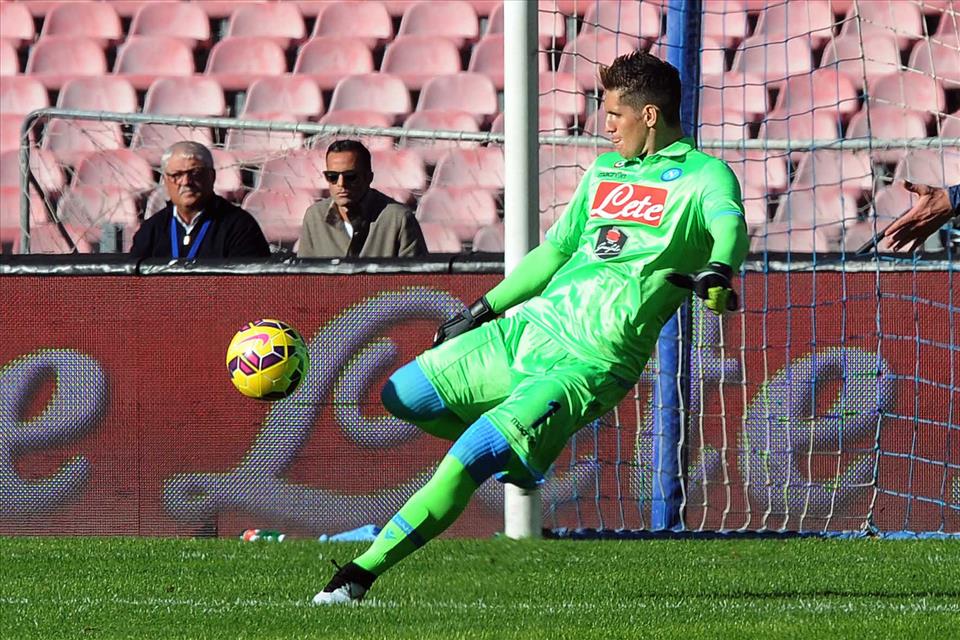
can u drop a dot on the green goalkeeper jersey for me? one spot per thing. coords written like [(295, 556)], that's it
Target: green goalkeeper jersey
[(629, 223)]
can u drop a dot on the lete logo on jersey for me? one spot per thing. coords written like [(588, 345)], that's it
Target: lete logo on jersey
[(629, 202)]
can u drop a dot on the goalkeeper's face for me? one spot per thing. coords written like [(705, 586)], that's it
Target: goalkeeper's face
[(626, 127)]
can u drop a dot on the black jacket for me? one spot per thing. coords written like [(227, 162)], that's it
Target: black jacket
[(233, 233)]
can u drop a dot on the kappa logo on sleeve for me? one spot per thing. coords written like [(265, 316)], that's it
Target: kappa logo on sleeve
[(629, 202), (610, 242)]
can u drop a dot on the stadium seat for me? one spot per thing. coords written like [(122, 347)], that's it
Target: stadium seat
[(398, 169), (56, 59), (595, 124), (764, 171), (481, 167), (466, 91), (551, 122), (48, 239), (451, 19), (217, 9), (560, 92), (948, 29), (294, 95), (300, 170), (896, 18), (416, 59), (826, 90), (785, 238), (908, 90), (10, 131), (359, 118), (150, 140), (229, 181), (437, 119), (738, 93), (121, 168), (582, 54), (887, 122), (754, 206), (950, 127), (939, 60), (368, 21), (236, 62), (566, 164), (848, 170), (281, 22), (930, 166), (440, 239), (330, 59), (372, 91), (253, 144), (43, 166), (98, 93), (9, 62), (811, 20), (890, 202), (72, 140), (463, 211), (95, 20), (193, 96), (713, 57), (555, 195), (773, 61), (551, 25), (143, 59), (814, 125), (16, 23), (486, 57), (183, 20), (88, 208), (636, 20), (827, 209), (489, 239), (717, 124), (279, 213), (845, 53), (725, 22)]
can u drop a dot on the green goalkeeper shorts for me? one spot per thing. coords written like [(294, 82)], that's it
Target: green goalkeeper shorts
[(533, 391)]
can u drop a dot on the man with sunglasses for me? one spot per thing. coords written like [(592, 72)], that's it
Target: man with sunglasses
[(357, 220), (196, 222)]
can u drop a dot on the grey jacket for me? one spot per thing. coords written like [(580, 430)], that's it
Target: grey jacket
[(384, 228)]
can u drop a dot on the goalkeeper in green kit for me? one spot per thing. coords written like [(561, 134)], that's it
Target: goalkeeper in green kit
[(646, 224)]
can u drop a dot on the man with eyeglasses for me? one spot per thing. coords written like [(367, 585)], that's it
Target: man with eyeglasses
[(196, 223), (356, 220)]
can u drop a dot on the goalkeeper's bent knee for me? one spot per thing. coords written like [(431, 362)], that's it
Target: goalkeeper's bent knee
[(410, 396)]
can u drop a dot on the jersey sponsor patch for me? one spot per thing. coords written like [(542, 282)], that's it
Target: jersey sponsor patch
[(610, 242), (629, 202)]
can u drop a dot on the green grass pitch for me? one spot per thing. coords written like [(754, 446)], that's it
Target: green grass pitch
[(477, 589)]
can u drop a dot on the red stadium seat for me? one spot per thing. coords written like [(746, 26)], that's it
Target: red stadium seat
[(217, 9), (908, 90), (582, 55), (814, 125), (300, 170), (896, 18), (10, 131), (725, 22), (713, 60), (150, 140), (887, 122), (551, 25), (96, 20), (229, 181), (16, 23), (890, 202), (9, 62), (848, 170), (279, 213), (827, 209), (825, 90), (733, 92), (43, 166), (372, 91), (120, 168), (73, 140), (89, 208), (368, 21), (463, 211), (716, 124), (183, 20), (466, 91), (555, 195), (56, 59), (489, 239), (561, 93), (785, 238), (143, 59), (48, 239), (487, 58), (236, 62), (99, 93), (566, 164), (636, 20), (416, 59), (773, 61), (948, 30), (359, 118), (950, 127), (551, 122), (759, 170), (481, 168), (330, 59), (297, 96), (846, 53), (398, 169), (930, 166), (451, 19), (193, 96), (440, 239), (252, 144), (437, 119), (281, 22), (811, 20), (939, 60)]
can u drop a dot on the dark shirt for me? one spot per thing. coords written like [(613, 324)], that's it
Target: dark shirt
[(233, 233)]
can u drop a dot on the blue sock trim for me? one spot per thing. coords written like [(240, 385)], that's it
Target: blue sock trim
[(482, 450), (409, 531), (409, 395)]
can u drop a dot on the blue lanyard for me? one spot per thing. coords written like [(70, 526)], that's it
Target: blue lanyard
[(175, 244)]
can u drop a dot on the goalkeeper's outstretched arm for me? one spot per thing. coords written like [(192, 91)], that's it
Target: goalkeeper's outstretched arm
[(528, 279)]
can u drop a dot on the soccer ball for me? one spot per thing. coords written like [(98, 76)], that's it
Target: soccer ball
[(267, 359)]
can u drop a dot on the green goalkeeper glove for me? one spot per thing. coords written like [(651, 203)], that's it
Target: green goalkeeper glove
[(712, 284), (470, 318)]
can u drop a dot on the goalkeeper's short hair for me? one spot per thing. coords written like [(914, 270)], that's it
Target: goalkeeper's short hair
[(645, 79)]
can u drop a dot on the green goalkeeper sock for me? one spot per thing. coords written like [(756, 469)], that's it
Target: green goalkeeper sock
[(426, 515)]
